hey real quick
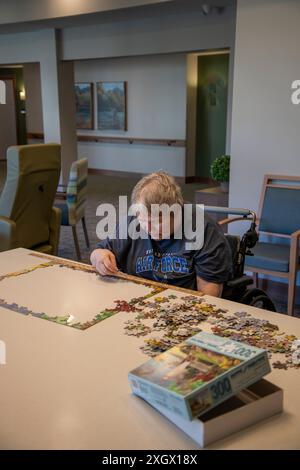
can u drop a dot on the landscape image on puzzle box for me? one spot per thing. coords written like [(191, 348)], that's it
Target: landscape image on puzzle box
[(185, 368)]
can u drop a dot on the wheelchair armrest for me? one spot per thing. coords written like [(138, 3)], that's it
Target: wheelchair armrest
[(242, 281), (228, 220)]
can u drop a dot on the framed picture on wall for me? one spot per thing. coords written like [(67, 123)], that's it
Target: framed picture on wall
[(84, 99), (112, 105)]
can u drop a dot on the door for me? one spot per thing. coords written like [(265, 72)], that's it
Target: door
[(211, 110), (8, 119)]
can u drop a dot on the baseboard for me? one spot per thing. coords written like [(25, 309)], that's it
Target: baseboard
[(201, 179), (116, 173), (127, 174)]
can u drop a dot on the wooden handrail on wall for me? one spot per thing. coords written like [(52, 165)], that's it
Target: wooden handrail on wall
[(119, 140)]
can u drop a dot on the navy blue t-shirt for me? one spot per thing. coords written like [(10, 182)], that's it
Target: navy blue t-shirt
[(170, 262)]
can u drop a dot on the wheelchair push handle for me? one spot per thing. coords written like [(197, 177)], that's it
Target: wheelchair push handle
[(244, 213), (250, 238)]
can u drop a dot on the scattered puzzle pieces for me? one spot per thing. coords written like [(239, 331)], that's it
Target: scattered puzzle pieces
[(175, 318)]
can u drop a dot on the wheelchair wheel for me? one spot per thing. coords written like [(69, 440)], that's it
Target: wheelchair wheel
[(262, 301), (259, 299)]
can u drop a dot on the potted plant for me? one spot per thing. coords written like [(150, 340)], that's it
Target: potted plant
[(220, 171)]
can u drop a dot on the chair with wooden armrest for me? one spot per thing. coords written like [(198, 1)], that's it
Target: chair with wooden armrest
[(279, 224), (237, 288)]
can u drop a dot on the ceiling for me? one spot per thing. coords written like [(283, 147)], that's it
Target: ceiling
[(34, 14)]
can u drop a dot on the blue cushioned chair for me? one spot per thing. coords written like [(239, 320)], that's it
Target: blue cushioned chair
[(279, 220)]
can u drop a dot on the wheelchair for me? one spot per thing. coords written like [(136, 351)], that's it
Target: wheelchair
[(237, 289)]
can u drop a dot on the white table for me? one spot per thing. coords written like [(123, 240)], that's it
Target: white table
[(63, 388)]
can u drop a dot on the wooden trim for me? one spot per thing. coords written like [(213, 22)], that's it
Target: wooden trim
[(253, 269), (278, 235), (296, 234), (293, 268), (118, 140), (283, 177), (282, 186)]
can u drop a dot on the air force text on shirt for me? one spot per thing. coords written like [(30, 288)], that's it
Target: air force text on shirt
[(132, 222), (166, 264)]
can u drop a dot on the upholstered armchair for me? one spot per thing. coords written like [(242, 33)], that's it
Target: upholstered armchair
[(27, 218)]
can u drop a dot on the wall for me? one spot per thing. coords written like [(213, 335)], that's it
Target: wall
[(184, 29), (265, 124), (156, 92)]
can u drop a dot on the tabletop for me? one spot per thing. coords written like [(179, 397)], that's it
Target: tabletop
[(71, 337)]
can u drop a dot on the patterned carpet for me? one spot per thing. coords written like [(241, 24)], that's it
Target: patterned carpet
[(106, 189)]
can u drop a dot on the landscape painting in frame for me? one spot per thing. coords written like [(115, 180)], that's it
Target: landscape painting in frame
[(84, 105), (112, 101)]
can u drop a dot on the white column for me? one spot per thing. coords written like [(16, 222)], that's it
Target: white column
[(58, 101)]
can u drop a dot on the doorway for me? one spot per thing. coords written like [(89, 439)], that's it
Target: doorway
[(212, 97), (8, 118)]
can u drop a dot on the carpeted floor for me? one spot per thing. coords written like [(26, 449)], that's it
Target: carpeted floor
[(106, 189)]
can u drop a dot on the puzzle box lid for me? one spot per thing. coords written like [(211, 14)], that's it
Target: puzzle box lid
[(199, 373)]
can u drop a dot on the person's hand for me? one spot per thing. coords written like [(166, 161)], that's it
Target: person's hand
[(104, 261)]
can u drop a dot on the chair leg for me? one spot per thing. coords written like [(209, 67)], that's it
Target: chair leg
[(291, 293), (76, 242), (294, 256), (85, 232)]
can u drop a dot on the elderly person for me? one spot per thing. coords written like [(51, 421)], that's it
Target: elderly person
[(167, 259)]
